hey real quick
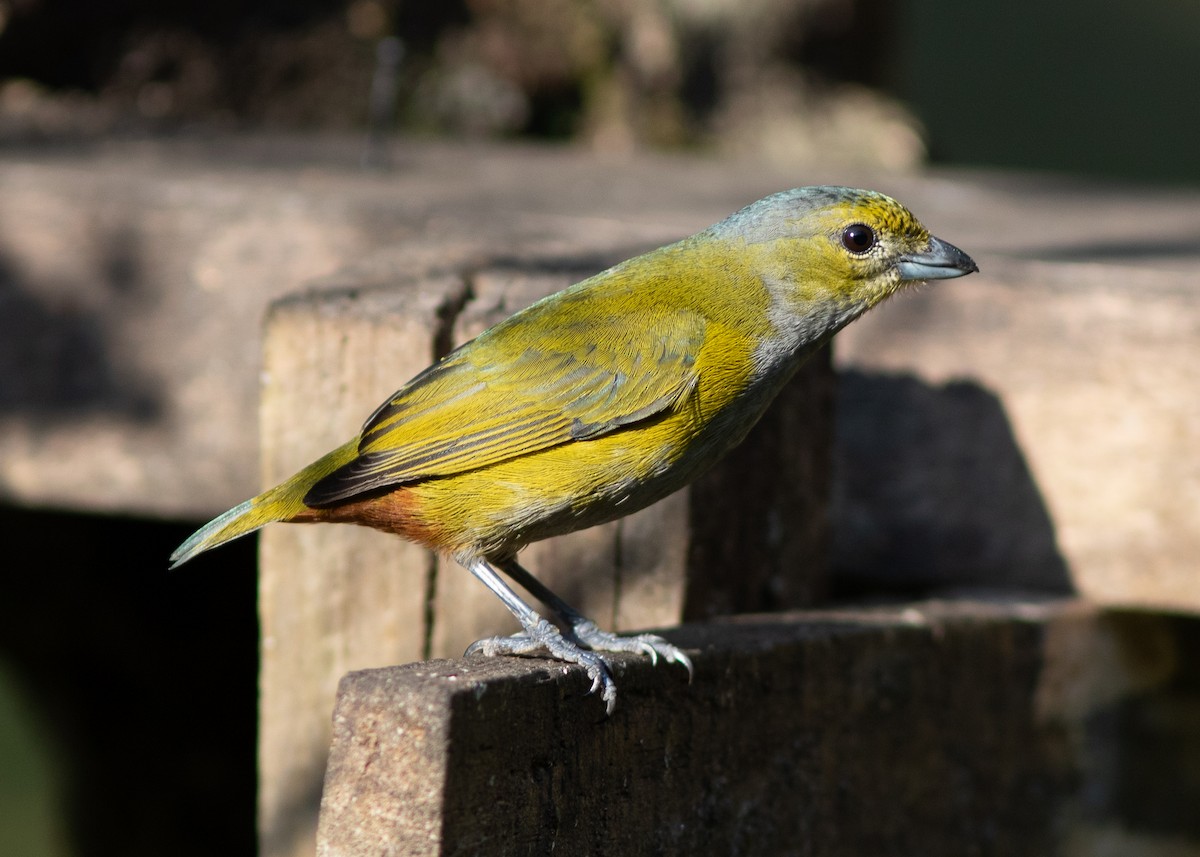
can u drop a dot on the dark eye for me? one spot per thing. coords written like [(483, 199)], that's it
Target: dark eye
[(858, 238)]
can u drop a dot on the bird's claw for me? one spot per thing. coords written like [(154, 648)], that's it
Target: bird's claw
[(583, 646), (545, 639), (650, 645)]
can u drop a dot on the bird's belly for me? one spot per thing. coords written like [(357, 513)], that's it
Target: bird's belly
[(569, 487)]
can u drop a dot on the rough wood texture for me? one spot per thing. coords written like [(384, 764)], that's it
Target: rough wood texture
[(933, 729), (340, 598), (331, 599)]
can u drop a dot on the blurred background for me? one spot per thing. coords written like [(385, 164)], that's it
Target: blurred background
[(1075, 86), (89, 703)]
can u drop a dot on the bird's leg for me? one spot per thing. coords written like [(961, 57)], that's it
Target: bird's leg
[(540, 636), (586, 632)]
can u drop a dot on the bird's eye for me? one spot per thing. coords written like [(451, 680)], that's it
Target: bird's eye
[(858, 238)]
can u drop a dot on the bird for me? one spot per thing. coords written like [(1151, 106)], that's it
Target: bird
[(602, 398)]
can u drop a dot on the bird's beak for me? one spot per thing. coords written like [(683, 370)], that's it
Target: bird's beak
[(941, 261)]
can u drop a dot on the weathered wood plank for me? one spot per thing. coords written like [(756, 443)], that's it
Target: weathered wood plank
[(933, 729), (331, 599)]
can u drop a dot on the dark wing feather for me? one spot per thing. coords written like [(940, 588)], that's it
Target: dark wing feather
[(482, 405)]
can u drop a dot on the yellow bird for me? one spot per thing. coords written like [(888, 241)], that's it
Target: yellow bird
[(605, 397)]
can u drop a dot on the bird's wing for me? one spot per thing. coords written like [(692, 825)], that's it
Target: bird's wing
[(480, 406)]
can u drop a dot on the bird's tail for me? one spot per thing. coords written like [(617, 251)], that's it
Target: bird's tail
[(281, 503)]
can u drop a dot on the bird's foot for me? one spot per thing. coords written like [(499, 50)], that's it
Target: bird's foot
[(544, 638), (650, 645)]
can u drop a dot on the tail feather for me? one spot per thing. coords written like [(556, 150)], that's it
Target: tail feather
[(281, 503), (223, 528)]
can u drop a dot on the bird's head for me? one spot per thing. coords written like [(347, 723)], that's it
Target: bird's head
[(839, 247)]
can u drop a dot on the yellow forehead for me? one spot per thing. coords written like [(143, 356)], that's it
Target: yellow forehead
[(877, 211)]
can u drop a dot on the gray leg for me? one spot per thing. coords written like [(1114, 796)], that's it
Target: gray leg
[(540, 636), (586, 632)]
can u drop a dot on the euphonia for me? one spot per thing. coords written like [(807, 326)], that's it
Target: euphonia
[(605, 397)]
